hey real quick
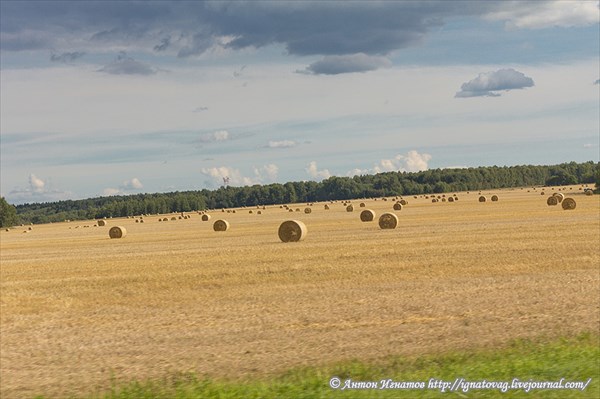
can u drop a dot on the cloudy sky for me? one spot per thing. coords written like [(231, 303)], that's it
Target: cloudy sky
[(106, 98)]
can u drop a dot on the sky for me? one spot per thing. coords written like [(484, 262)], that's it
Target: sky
[(115, 98)]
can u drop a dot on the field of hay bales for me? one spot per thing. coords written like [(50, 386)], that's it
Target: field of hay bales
[(80, 310)]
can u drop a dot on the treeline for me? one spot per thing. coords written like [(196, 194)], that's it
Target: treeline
[(333, 188)]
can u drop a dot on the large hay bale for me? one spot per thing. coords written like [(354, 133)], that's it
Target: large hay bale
[(559, 196), (292, 231), (349, 208), (367, 215), (307, 210), (388, 221), (552, 200), (494, 198), (117, 232), (568, 204), (221, 225), (397, 206), (482, 199), (205, 217), (101, 222)]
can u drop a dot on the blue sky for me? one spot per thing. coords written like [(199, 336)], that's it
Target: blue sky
[(105, 98)]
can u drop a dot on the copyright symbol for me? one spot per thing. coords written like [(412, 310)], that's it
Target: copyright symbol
[(335, 383)]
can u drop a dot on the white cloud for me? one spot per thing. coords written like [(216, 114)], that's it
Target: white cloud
[(133, 184), (219, 135), (36, 184), (264, 174), (112, 191), (315, 173), (413, 161), (538, 15), (489, 83), (282, 144), (337, 64)]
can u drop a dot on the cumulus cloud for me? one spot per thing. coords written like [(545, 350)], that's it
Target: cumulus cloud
[(282, 144), (337, 64), (490, 83), (413, 161), (124, 65), (219, 135), (315, 173), (36, 184), (67, 57), (264, 174), (108, 192), (132, 184), (546, 14)]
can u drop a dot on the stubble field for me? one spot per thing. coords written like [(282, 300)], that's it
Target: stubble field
[(79, 310)]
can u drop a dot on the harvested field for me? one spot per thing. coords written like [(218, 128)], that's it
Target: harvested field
[(79, 309)]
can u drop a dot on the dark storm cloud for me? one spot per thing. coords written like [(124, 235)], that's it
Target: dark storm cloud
[(125, 65), (67, 57), (337, 64)]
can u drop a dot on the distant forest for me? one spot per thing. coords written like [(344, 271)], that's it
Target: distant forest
[(333, 188)]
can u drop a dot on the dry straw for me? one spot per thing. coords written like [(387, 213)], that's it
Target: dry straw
[(117, 232), (397, 206), (552, 200), (568, 204), (292, 231), (205, 217), (367, 215), (494, 198), (221, 225), (388, 221), (482, 199)]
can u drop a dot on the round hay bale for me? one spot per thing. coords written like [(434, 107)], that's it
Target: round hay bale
[(117, 232), (292, 231), (362, 205), (291, 210), (307, 210), (137, 221), (297, 209), (494, 198), (542, 193), (205, 217), (455, 198), (326, 207), (443, 199), (388, 221), (101, 222), (250, 211), (259, 212), (173, 218), (30, 228), (397, 206), (367, 215), (568, 204), (403, 202), (434, 200), (482, 199), (589, 192), (552, 200), (559, 196), (450, 199), (349, 208), (221, 225)]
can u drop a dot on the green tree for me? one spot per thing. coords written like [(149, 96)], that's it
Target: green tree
[(8, 214)]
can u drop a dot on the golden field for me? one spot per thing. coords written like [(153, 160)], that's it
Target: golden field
[(79, 309)]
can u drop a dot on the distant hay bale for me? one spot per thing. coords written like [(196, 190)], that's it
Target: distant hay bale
[(233, 211), (221, 225), (29, 228), (307, 210), (290, 210), (482, 199), (297, 209), (443, 199), (117, 232), (542, 193), (403, 202), (434, 200), (137, 221), (165, 219), (259, 212), (559, 196), (589, 192), (397, 206), (349, 208), (367, 215), (205, 217), (388, 221), (250, 211), (568, 204), (326, 207), (494, 198), (292, 231), (450, 199), (455, 198), (141, 220), (552, 200), (427, 197), (173, 218), (362, 205), (101, 222)]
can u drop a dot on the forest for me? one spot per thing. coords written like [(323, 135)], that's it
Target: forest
[(334, 188)]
